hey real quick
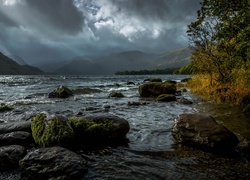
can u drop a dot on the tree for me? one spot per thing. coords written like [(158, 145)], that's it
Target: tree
[(220, 37)]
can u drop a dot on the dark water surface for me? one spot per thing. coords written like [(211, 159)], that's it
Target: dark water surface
[(151, 152)]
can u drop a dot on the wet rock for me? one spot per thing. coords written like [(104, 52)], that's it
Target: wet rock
[(154, 89), (204, 132), (99, 128), (61, 92), (53, 163), (133, 103), (106, 107), (15, 138), (116, 94), (17, 126), (10, 156), (48, 130), (4, 108), (171, 81), (166, 98), (130, 83), (184, 101)]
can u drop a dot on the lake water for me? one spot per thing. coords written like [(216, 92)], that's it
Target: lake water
[(151, 152)]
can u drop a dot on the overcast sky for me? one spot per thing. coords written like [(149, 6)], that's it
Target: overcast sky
[(40, 30)]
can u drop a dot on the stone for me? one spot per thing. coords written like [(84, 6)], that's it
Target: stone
[(184, 101), (154, 89), (4, 108), (166, 98), (61, 92), (15, 138), (53, 163), (10, 156), (116, 94), (99, 129), (50, 130), (203, 132), (16, 126)]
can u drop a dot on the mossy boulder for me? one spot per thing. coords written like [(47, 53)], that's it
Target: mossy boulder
[(4, 108), (51, 130), (154, 89), (166, 98), (61, 92), (99, 129), (116, 94)]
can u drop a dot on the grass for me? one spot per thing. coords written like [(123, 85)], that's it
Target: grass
[(228, 93)]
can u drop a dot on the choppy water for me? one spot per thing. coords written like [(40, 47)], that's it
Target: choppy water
[(151, 152)]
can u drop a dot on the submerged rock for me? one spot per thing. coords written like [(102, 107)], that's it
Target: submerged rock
[(15, 138), (184, 101), (4, 108), (166, 98), (99, 129), (53, 163), (10, 156), (61, 92), (116, 94), (154, 89), (51, 130), (203, 132)]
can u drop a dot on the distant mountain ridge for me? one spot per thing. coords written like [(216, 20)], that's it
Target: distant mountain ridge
[(10, 67), (123, 61)]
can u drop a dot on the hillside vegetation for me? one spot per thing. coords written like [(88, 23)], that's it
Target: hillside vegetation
[(221, 56)]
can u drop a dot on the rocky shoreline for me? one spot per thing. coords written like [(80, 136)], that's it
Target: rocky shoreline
[(42, 148)]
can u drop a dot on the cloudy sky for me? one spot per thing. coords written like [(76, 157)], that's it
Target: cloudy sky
[(39, 30)]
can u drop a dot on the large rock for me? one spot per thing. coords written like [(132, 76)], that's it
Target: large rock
[(100, 129), (61, 92), (203, 132), (15, 138), (154, 89), (10, 156), (166, 98), (16, 126), (50, 130), (53, 163)]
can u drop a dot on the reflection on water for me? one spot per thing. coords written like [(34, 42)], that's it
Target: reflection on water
[(151, 152)]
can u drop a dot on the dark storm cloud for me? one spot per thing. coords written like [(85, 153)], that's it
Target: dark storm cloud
[(40, 29), (61, 14)]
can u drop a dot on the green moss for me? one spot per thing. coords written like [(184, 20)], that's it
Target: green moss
[(64, 91), (90, 128), (50, 132), (166, 98), (6, 108)]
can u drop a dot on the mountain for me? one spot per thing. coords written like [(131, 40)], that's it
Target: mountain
[(10, 67), (18, 59), (174, 59), (134, 60), (123, 61)]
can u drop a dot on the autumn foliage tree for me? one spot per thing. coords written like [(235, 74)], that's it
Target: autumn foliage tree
[(220, 38)]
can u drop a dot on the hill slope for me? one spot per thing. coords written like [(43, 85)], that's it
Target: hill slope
[(123, 61), (10, 67)]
